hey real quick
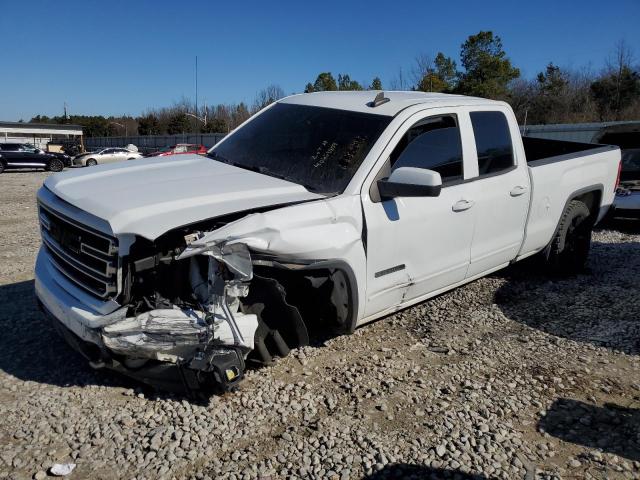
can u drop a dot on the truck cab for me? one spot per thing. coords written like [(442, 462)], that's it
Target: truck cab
[(474, 225)]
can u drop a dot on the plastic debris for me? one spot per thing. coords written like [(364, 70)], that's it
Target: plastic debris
[(62, 469)]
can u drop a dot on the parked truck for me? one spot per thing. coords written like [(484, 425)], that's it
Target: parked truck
[(321, 213)]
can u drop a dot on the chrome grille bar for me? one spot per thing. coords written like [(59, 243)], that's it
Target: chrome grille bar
[(86, 257)]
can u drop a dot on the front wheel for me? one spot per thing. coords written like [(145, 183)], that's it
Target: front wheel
[(92, 162), (55, 165), (2, 167), (570, 246)]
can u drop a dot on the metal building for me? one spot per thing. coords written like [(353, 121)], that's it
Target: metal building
[(577, 132), (38, 134)]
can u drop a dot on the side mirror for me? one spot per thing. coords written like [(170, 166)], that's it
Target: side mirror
[(410, 182)]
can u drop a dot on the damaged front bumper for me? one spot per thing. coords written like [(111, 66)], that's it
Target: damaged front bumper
[(173, 348)]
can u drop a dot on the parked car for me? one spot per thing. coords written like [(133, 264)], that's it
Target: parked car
[(180, 149), (66, 159), (105, 155), (23, 155), (627, 201), (626, 136), (323, 212)]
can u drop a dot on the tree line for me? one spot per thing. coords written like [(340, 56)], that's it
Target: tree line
[(181, 117), (555, 95)]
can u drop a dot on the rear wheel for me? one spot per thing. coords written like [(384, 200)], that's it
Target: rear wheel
[(570, 246), (55, 165), (2, 167), (92, 162)]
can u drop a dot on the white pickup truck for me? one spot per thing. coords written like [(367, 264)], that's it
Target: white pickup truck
[(321, 213)]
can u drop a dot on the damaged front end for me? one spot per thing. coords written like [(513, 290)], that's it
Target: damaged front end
[(206, 335), (197, 311)]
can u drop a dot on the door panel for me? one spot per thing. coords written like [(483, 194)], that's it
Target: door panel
[(503, 201), (107, 156), (121, 155), (502, 192), (417, 245), (12, 157)]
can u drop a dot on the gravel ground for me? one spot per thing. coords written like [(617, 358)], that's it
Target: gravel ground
[(514, 376)]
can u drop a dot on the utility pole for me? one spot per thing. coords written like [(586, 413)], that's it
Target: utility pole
[(65, 111), (197, 112)]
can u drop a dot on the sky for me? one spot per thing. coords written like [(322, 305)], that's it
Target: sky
[(121, 57)]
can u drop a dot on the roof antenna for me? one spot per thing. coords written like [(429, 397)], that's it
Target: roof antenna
[(379, 100)]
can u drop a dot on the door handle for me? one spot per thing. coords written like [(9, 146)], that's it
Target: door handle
[(517, 191), (462, 205)]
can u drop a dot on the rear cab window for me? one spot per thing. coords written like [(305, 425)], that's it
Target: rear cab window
[(493, 142)]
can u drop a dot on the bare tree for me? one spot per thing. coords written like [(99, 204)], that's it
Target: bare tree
[(399, 82), (267, 96), (423, 66), (618, 61)]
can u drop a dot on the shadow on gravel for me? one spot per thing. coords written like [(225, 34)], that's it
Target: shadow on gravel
[(600, 307), (611, 428), (407, 472), (7, 173), (31, 350)]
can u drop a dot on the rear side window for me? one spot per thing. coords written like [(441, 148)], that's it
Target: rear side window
[(9, 147), (493, 142), (433, 143)]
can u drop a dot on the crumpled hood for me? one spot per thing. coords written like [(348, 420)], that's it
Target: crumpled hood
[(149, 197)]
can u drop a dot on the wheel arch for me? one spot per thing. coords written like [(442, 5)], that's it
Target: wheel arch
[(341, 266), (591, 196)]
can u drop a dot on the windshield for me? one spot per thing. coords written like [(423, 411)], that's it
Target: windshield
[(319, 148)]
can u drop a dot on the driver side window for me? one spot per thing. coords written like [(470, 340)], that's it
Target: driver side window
[(433, 143)]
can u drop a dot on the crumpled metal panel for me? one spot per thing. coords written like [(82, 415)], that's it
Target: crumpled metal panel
[(171, 334)]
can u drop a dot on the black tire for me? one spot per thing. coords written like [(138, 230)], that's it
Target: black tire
[(569, 249), (92, 162), (132, 158), (2, 167), (55, 165)]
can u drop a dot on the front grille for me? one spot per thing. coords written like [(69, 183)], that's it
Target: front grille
[(86, 257)]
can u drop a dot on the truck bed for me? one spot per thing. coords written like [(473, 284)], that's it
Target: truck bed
[(542, 151), (560, 171)]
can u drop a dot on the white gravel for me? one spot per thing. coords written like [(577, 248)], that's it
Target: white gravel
[(514, 376)]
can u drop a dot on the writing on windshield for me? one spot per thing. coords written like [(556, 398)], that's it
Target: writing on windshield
[(319, 148)]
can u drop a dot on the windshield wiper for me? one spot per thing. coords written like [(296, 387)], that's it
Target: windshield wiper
[(287, 178), (220, 158)]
